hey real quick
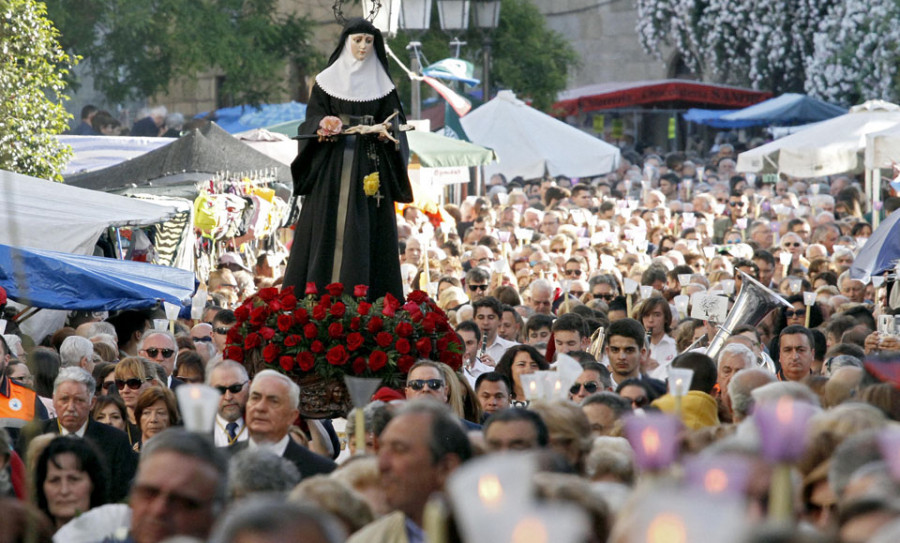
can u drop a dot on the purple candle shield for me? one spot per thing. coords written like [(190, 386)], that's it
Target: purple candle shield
[(782, 428), (718, 475), (889, 443), (654, 438)]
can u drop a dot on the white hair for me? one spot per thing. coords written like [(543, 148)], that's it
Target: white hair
[(227, 365), (737, 349), (78, 375), (73, 349), (293, 388)]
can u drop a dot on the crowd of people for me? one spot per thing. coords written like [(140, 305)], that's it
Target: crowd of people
[(535, 275)]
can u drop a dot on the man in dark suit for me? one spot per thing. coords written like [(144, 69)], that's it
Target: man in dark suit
[(73, 396), (271, 410)]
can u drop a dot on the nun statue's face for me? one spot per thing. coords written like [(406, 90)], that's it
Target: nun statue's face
[(361, 45)]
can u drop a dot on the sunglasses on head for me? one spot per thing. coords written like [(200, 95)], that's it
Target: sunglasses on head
[(133, 384), (790, 313), (234, 389), (419, 384), (221, 330), (473, 288), (153, 352), (590, 387)]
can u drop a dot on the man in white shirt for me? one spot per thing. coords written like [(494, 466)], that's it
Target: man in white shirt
[(230, 378), (656, 316), (488, 312), (469, 332), (272, 408)]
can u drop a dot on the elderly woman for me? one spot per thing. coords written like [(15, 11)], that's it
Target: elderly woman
[(156, 410), (70, 478)]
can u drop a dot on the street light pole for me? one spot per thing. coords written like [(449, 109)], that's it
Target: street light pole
[(487, 18), (416, 85), (415, 18)]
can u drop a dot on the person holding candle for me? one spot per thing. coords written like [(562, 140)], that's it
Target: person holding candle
[(418, 451), (698, 407)]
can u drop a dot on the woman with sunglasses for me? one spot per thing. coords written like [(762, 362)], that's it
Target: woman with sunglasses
[(637, 392), (133, 375), (517, 361)]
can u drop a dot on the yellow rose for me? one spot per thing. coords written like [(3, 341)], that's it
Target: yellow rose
[(371, 183)]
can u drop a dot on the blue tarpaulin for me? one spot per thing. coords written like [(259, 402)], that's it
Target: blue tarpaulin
[(786, 110), (246, 117), (713, 118), (54, 280)]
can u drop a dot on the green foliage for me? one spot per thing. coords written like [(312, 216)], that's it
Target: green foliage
[(32, 68), (136, 48), (527, 57)]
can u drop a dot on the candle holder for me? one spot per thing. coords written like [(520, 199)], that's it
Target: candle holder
[(681, 305), (684, 279), (360, 389), (718, 475), (532, 384), (782, 433), (727, 286), (809, 300), (654, 439), (198, 405), (679, 384)]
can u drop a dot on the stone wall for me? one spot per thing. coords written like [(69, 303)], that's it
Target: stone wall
[(603, 33)]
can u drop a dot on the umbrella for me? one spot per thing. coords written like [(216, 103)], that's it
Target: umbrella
[(436, 151), (54, 280), (531, 144), (787, 109), (881, 251)]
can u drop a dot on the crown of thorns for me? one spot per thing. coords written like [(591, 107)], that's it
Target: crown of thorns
[(338, 9)]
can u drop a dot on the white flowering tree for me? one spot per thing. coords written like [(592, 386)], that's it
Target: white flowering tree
[(856, 53), (763, 44)]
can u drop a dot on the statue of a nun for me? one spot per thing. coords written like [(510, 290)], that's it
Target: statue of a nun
[(347, 230)]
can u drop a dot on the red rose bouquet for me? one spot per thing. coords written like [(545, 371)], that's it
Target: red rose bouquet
[(334, 334)]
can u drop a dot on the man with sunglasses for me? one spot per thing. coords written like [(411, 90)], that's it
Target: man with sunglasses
[(477, 283), (230, 379), (426, 380), (737, 208), (160, 347), (594, 378), (221, 324)]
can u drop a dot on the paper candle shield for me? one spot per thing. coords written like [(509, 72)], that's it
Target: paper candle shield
[(782, 428), (718, 475), (654, 440), (809, 298), (681, 304), (361, 389), (198, 405), (198, 303), (646, 291), (630, 285), (533, 385), (489, 492), (680, 381)]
